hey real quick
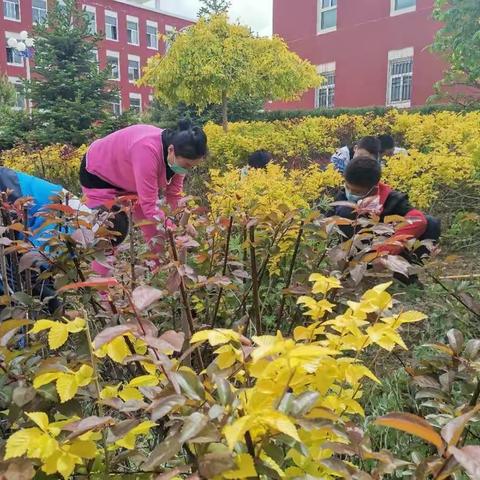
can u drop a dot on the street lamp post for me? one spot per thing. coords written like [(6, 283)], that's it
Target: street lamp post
[(24, 47)]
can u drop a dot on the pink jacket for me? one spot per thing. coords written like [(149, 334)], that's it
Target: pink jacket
[(132, 160)]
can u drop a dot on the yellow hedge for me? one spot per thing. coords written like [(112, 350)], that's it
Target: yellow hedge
[(443, 152), (56, 163)]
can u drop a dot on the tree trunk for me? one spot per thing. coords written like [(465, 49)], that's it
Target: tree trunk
[(225, 111)]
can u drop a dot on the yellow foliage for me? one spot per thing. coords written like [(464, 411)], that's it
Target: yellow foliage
[(56, 163), (318, 373), (41, 442)]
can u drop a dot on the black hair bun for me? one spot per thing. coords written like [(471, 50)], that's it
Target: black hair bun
[(184, 125)]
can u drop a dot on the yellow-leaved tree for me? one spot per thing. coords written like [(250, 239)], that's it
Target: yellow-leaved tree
[(214, 61)]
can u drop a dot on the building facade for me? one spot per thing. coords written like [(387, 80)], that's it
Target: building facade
[(130, 28), (371, 52)]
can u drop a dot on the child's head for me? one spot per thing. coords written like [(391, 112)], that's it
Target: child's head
[(367, 147), (259, 159), (387, 145), (187, 146), (361, 177)]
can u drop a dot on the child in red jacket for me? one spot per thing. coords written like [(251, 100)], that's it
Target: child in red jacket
[(362, 180)]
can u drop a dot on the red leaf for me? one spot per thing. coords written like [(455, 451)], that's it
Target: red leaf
[(86, 425), (469, 458), (97, 283), (144, 296), (110, 334), (60, 207)]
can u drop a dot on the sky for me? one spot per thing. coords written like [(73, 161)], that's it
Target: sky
[(255, 13)]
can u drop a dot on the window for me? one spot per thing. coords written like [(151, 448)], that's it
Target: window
[(136, 102), (39, 11), (94, 57), (326, 92), (400, 71), (169, 32), (11, 9), (327, 16), (14, 57), (91, 14), (20, 98), (152, 35), (111, 27), (133, 68), (116, 106), (113, 62), (398, 7), (132, 30)]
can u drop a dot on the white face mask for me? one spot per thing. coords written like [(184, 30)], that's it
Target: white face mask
[(351, 197)]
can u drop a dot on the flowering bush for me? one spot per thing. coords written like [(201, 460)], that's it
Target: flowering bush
[(56, 163)]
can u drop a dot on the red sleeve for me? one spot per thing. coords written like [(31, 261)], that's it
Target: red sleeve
[(417, 224)]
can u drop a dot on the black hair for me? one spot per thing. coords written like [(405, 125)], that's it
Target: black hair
[(386, 142), (259, 159), (117, 223), (370, 144), (188, 141), (363, 172)]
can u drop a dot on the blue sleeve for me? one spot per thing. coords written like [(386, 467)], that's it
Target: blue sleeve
[(43, 193), (340, 159)]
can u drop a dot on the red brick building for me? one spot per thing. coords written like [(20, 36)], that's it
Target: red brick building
[(372, 52), (130, 28)]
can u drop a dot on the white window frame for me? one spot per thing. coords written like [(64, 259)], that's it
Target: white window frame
[(150, 98), (400, 11), (320, 11), (116, 55), (324, 69), (150, 23), (36, 8), (14, 2), (133, 20), (403, 54), (17, 81), (109, 13), (95, 53), (136, 96), (134, 58), (119, 103), (16, 36), (90, 9), (168, 30)]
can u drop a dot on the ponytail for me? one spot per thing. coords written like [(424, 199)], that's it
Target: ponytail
[(188, 141)]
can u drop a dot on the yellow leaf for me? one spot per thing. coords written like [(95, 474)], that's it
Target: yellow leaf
[(129, 440), (144, 381), (236, 431), (76, 325), (66, 465), (18, 442), (414, 425), (83, 449), (411, 316), (130, 393), (84, 375), (118, 349), (43, 446), (58, 335), (45, 378), (216, 337), (323, 284), (245, 468), (40, 419), (109, 392), (226, 356), (41, 325), (280, 422), (66, 386)]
